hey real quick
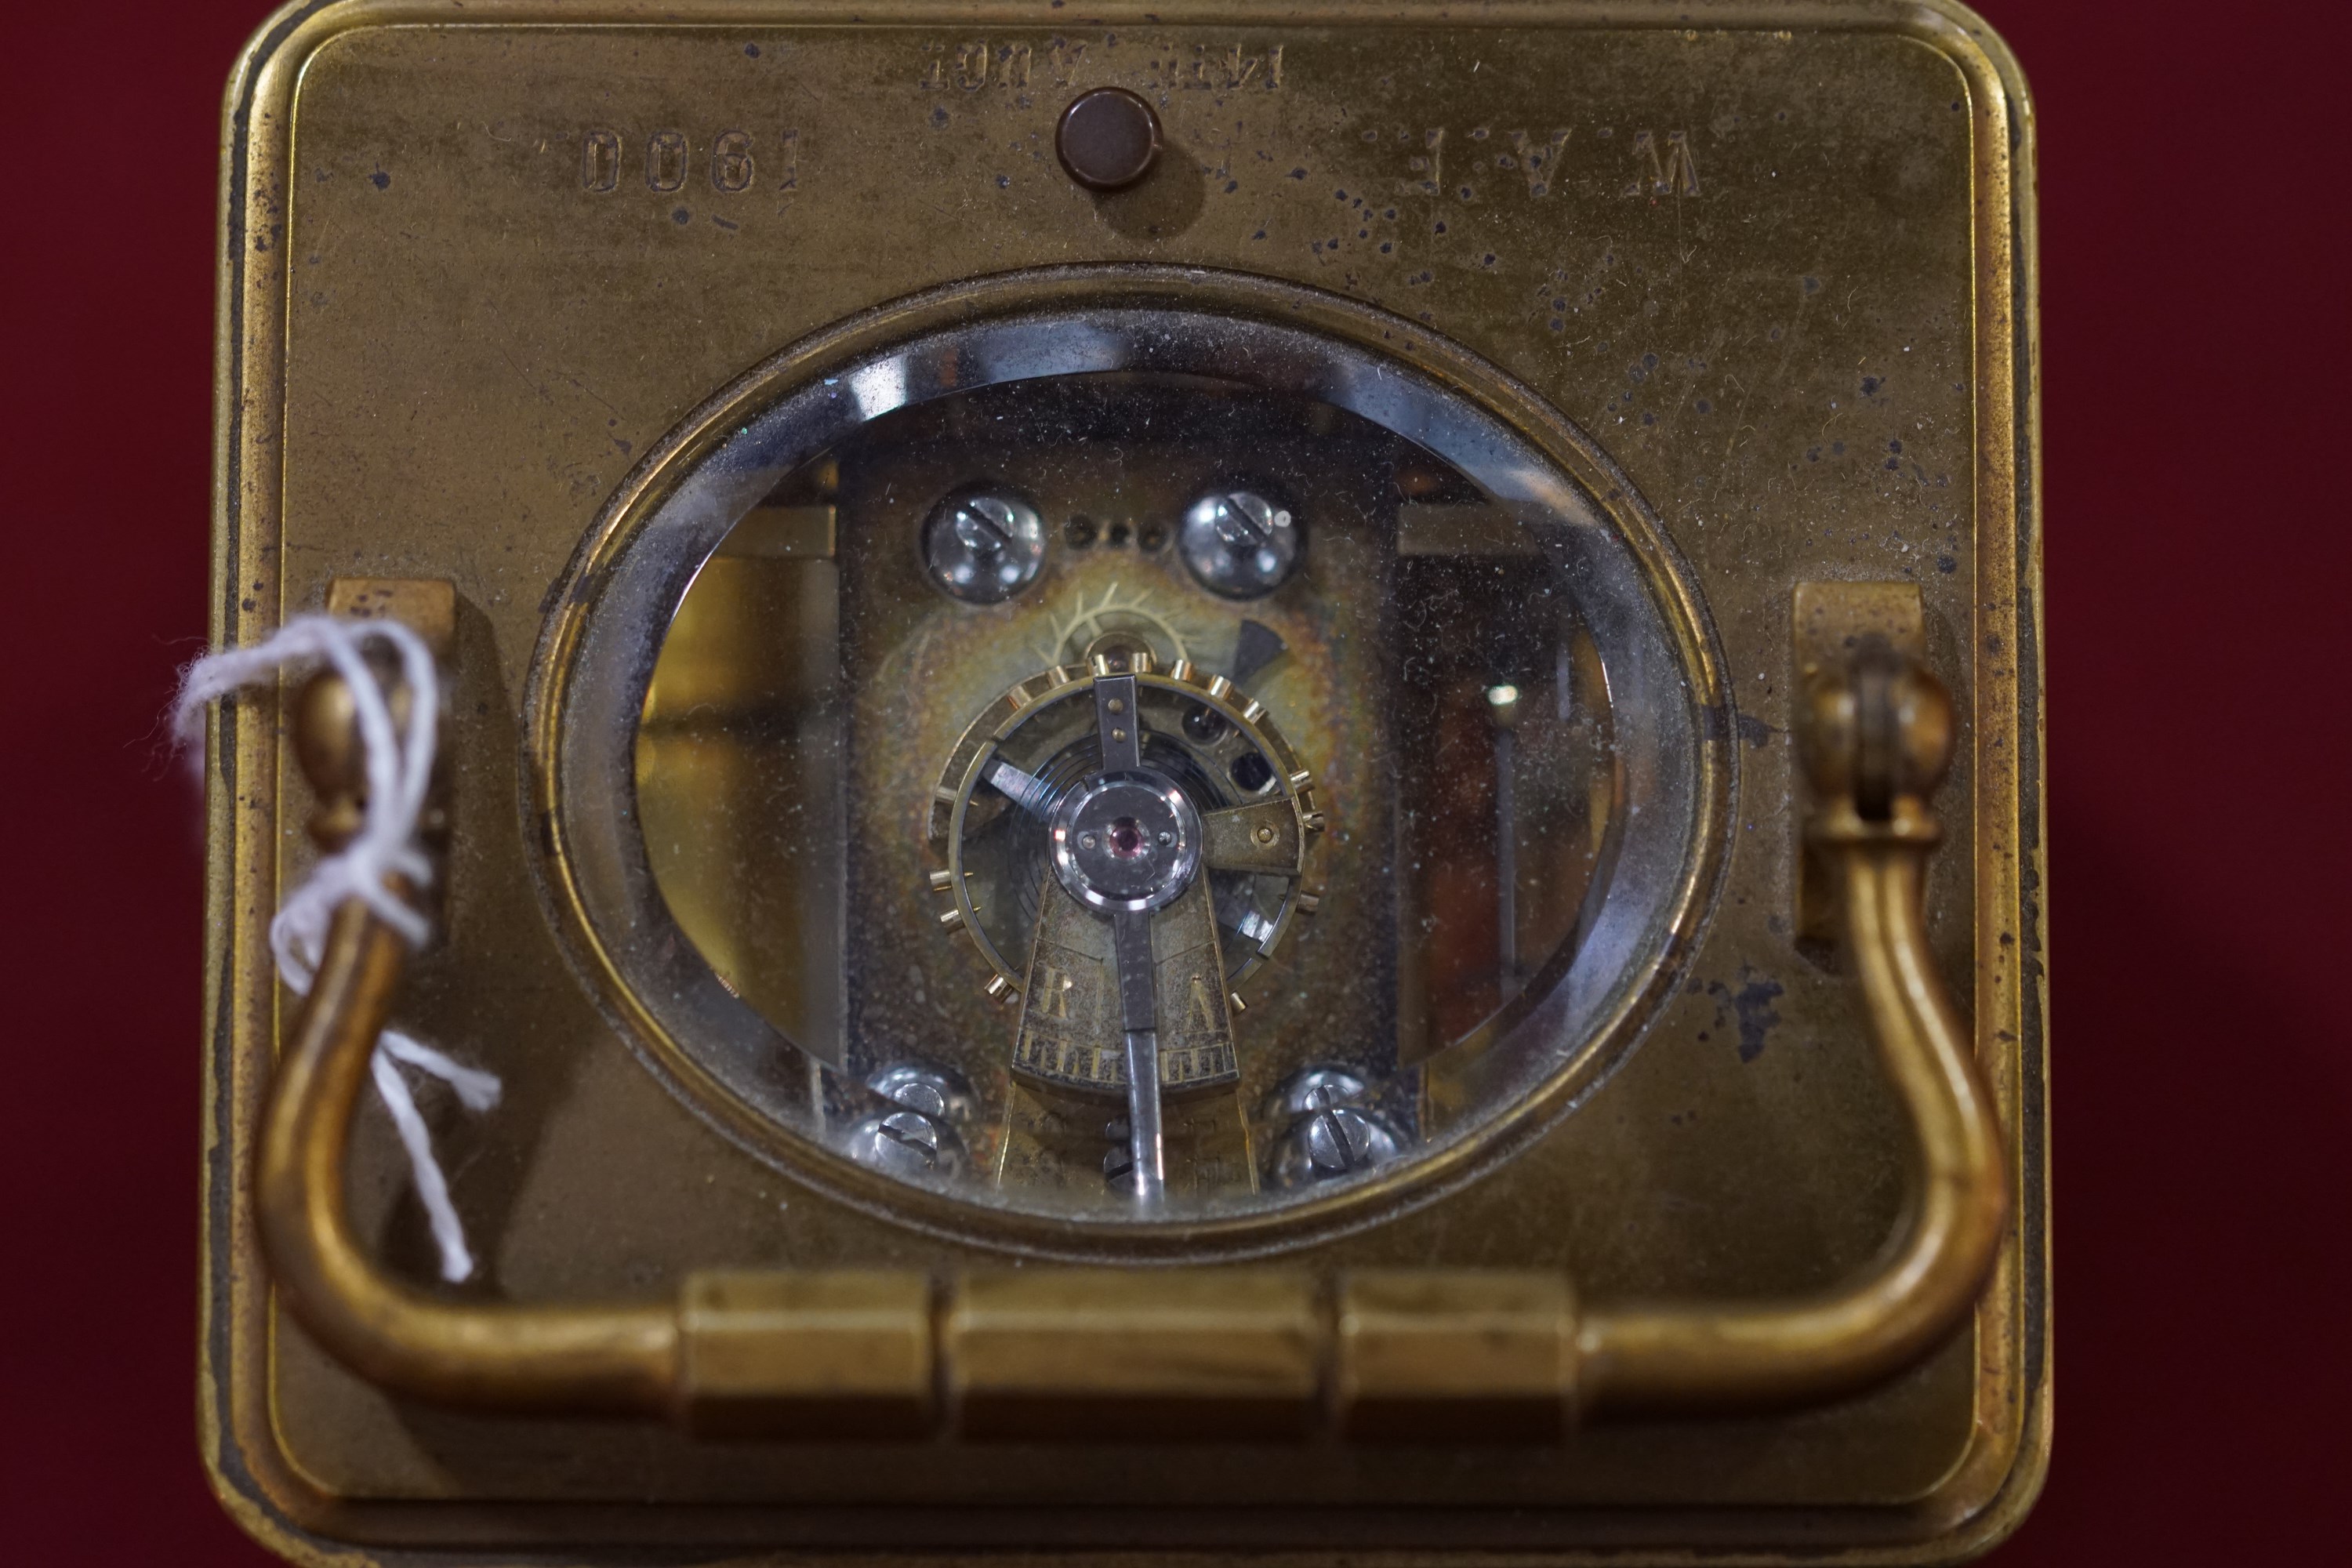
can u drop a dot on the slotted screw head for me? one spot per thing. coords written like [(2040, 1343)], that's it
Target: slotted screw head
[(1238, 543), (984, 547)]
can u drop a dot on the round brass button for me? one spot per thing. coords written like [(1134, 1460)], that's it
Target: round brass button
[(1108, 139)]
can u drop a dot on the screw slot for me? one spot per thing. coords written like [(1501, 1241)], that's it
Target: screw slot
[(1238, 543), (984, 547)]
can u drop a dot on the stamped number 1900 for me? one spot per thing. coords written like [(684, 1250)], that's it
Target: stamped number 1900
[(665, 161)]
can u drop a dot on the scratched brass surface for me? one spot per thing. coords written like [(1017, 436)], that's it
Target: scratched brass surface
[(1775, 267)]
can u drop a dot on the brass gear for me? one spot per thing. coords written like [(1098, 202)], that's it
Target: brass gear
[(1258, 797)]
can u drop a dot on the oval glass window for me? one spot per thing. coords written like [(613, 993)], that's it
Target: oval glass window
[(1115, 765)]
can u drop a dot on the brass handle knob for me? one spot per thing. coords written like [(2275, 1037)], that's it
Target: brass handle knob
[(1227, 1352)]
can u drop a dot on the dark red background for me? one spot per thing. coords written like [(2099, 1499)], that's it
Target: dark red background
[(2193, 292)]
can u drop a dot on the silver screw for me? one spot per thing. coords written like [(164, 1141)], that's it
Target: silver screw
[(1238, 543), (984, 547), (1330, 1144), (937, 1092), (916, 1133), (1316, 1088), (907, 1144)]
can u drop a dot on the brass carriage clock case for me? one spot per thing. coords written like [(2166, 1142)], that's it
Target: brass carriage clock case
[(1151, 712)]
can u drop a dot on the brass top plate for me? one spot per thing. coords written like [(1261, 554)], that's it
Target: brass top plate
[(478, 264)]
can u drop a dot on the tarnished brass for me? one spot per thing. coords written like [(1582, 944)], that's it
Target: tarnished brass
[(1229, 1354), (1877, 736), (427, 607), (1262, 837), (1829, 622), (616, 1361), (835, 1352), (466, 311), (1480, 1358), (1117, 1356)]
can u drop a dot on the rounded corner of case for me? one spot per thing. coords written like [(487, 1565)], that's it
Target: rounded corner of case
[(272, 58), (260, 1517), (1961, 35), (1978, 1527)]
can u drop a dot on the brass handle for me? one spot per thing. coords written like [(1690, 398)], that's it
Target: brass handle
[(1228, 1352), (1878, 738)]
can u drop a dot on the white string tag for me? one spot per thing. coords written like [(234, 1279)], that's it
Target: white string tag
[(399, 774)]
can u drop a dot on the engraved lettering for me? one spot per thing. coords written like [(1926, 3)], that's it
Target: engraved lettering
[(1234, 67), (666, 161), (1672, 172), (1202, 1012), (1665, 162), (730, 161), (1429, 163), (1053, 996), (1537, 163), (669, 159), (600, 162), (790, 178), (972, 66)]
